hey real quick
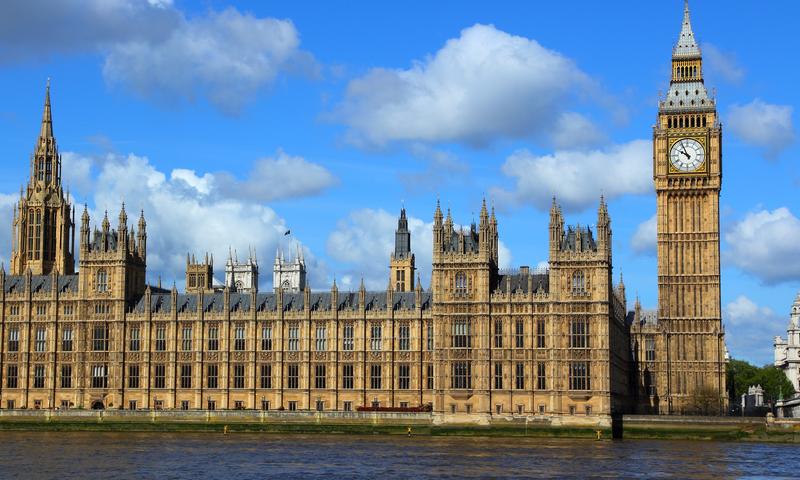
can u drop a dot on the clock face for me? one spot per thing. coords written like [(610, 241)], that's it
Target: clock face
[(687, 155)]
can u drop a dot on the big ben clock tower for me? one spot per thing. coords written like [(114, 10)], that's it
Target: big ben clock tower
[(687, 170)]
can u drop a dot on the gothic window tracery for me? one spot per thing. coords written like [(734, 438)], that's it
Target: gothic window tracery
[(578, 283), (102, 281), (461, 284)]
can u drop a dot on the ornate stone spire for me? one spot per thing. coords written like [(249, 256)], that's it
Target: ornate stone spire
[(123, 219), (687, 45), (47, 117), (437, 214)]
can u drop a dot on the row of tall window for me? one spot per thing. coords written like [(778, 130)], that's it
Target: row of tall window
[(686, 121), (461, 376), (99, 378), (461, 337), (686, 71)]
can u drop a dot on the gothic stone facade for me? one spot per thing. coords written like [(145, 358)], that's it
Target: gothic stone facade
[(481, 341)]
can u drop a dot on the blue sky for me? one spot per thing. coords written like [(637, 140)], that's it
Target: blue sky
[(231, 122)]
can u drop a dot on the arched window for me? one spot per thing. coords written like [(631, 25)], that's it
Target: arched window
[(578, 283), (102, 281), (34, 234), (461, 284)]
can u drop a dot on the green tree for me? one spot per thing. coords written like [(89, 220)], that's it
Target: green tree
[(742, 375)]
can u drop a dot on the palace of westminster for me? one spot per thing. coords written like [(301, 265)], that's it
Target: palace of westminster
[(554, 342)]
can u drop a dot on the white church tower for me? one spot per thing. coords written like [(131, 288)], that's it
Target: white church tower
[(291, 275), (242, 276), (787, 352)]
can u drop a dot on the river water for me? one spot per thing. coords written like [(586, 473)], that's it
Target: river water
[(198, 456)]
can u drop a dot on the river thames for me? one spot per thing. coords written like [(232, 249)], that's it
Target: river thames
[(163, 455)]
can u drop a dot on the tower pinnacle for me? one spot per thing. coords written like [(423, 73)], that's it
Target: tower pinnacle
[(47, 117), (687, 45)]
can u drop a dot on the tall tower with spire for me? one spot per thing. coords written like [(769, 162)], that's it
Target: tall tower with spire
[(44, 228), (401, 263), (687, 170)]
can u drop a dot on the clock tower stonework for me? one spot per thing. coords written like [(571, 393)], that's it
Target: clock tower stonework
[(688, 375)]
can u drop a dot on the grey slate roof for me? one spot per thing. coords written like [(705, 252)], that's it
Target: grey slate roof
[(294, 302), (570, 241), (99, 239), (687, 96), (471, 243), (40, 283), (519, 283)]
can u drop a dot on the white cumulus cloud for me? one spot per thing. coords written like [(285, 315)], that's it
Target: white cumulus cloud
[(40, 28), (765, 244), (749, 329), (724, 64), (7, 203), (484, 85), (364, 241), (284, 176), (577, 178), (644, 239), (763, 125), (158, 52), (225, 56)]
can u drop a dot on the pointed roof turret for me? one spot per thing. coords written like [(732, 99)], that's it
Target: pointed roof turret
[(123, 218), (687, 44), (106, 224), (437, 214)]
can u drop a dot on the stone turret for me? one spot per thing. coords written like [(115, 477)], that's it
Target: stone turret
[(289, 275), (242, 276), (402, 261)]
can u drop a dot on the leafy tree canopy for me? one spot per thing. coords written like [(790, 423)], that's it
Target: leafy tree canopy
[(742, 375)]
